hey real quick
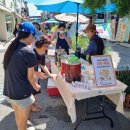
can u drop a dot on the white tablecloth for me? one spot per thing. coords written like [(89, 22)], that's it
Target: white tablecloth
[(69, 93)]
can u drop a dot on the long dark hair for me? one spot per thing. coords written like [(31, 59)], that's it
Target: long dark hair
[(12, 47), (15, 30), (61, 25), (39, 27)]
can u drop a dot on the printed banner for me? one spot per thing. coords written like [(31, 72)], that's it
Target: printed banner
[(123, 30), (113, 28), (104, 30)]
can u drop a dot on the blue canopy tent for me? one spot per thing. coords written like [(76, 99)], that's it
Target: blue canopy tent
[(71, 6), (51, 21)]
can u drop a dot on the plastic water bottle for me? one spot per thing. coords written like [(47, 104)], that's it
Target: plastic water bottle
[(78, 52), (56, 59)]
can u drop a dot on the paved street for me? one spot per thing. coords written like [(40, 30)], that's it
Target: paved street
[(120, 54)]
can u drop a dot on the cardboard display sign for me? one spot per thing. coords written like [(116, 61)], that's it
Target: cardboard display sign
[(104, 71)]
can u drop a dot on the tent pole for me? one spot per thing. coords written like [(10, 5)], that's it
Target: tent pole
[(77, 25)]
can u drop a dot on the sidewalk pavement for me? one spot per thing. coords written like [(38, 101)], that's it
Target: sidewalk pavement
[(4, 45), (54, 116)]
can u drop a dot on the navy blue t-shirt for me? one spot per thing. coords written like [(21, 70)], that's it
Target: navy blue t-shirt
[(40, 59), (16, 84)]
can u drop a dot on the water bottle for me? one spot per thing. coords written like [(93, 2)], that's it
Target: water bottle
[(78, 52), (56, 59)]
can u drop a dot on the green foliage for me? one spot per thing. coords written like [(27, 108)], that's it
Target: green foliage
[(83, 42), (94, 4), (124, 76), (123, 6), (53, 28), (107, 50)]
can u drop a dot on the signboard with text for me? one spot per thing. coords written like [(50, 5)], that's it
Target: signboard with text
[(104, 71)]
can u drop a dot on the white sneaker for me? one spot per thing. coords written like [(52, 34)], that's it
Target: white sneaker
[(31, 128)]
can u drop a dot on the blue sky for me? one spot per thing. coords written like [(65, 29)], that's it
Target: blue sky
[(34, 1)]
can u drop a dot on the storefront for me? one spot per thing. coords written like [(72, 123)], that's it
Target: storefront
[(10, 13), (9, 25)]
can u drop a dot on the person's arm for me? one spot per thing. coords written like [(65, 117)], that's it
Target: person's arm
[(45, 69), (41, 75), (30, 76), (67, 38), (90, 48)]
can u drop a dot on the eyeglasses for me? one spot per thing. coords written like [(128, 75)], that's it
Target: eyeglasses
[(46, 46)]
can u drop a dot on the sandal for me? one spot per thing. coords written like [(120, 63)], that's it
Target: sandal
[(37, 105), (35, 109)]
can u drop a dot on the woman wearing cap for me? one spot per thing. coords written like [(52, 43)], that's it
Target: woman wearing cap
[(40, 47), (96, 45), (19, 63), (63, 38)]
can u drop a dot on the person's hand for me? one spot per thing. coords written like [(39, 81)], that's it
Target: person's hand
[(37, 87), (54, 76), (41, 75)]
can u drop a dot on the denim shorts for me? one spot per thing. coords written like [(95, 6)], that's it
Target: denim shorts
[(24, 103)]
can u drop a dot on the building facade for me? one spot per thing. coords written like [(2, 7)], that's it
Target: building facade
[(11, 12)]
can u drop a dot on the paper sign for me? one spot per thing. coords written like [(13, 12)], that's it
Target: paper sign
[(81, 85), (104, 71)]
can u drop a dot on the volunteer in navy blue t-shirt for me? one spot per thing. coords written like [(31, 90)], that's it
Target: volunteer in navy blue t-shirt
[(41, 70), (19, 63)]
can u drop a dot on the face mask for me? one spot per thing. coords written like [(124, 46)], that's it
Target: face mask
[(85, 35), (61, 32)]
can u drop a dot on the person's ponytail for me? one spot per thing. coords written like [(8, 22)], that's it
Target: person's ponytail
[(12, 47), (10, 50)]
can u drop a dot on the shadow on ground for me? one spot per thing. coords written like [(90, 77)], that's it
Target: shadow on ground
[(8, 122), (54, 116)]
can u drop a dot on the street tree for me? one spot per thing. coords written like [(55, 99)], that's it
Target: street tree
[(123, 6)]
